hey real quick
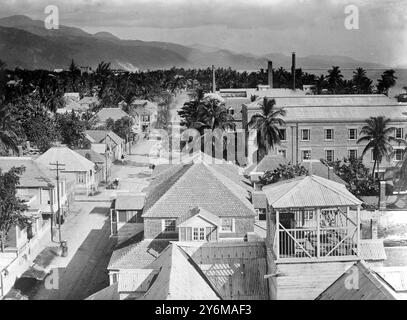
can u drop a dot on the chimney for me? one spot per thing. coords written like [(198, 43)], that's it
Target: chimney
[(213, 79), (293, 71), (270, 73)]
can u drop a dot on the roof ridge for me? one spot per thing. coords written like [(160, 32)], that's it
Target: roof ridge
[(216, 173), (332, 188)]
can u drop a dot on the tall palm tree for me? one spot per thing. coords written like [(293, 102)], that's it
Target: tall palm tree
[(362, 83), (8, 136), (334, 79), (378, 135), (268, 125)]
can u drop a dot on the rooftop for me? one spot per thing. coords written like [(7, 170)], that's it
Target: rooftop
[(318, 168), (72, 161), (99, 136), (179, 188), (112, 113), (309, 191), (130, 201), (370, 286), (91, 155), (34, 175)]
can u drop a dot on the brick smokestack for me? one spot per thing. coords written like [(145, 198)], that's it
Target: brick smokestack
[(270, 73), (213, 79), (293, 71)]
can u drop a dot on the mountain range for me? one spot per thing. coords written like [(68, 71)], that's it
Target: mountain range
[(26, 43)]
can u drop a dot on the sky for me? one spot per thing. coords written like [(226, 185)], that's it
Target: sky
[(309, 27)]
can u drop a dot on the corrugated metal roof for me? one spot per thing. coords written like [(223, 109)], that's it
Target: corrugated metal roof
[(309, 191), (369, 286), (99, 136), (91, 155), (372, 249), (270, 163), (235, 269), (396, 277)]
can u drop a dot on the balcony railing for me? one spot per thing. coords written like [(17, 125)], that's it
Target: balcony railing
[(316, 243)]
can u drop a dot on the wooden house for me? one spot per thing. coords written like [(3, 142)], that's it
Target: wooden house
[(313, 236)]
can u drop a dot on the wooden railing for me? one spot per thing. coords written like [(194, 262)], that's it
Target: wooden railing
[(317, 243)]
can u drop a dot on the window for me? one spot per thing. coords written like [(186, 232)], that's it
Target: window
[(195, 234), (198, 234), (305, 134), (227, 225), (201, 234), (398, 154), (329, 134), (352, 154), (169, 225), (306, 154), (399, 133), (329, 155), (282, 152), (352, 134), (308, 214), (81, 177), (283, 134)]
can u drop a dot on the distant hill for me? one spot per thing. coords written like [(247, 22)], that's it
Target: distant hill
[(26, 43)]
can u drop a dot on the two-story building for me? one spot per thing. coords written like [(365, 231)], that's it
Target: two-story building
[(105, 142), (329, 126)]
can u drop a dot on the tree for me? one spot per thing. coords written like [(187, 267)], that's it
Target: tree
[(357, 176), (71, 129), (268, 125), (361, 82), (8, 133), (11, 207), (334, 79), (283, 172), (387, 80), (378, 136)]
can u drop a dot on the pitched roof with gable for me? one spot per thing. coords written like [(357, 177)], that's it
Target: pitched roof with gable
[(309, 191), (110, 113), (73, 161), (370, 286), (130, 201), (98, 136), (177, 189), (137, 255), (317, 168), (91, 155), (34, 175), (194, 212), (179, 278)]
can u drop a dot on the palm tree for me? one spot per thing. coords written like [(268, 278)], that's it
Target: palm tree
[(378, 136), (268, 125), (8, 136), (362, 83), (388, 80), (334, 79)]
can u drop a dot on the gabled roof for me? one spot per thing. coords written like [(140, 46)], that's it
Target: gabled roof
[(73, 161), (179, 278), (317, 168), (368, 285), (137, 255), (173, 192), (91, 155), (34, 175), (99, 136), (198, 212), (130, 201), (110, 113), (269, 163), (309, 191)]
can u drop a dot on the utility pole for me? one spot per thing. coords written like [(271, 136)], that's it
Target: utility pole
[(58, 169), (106, 156)]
